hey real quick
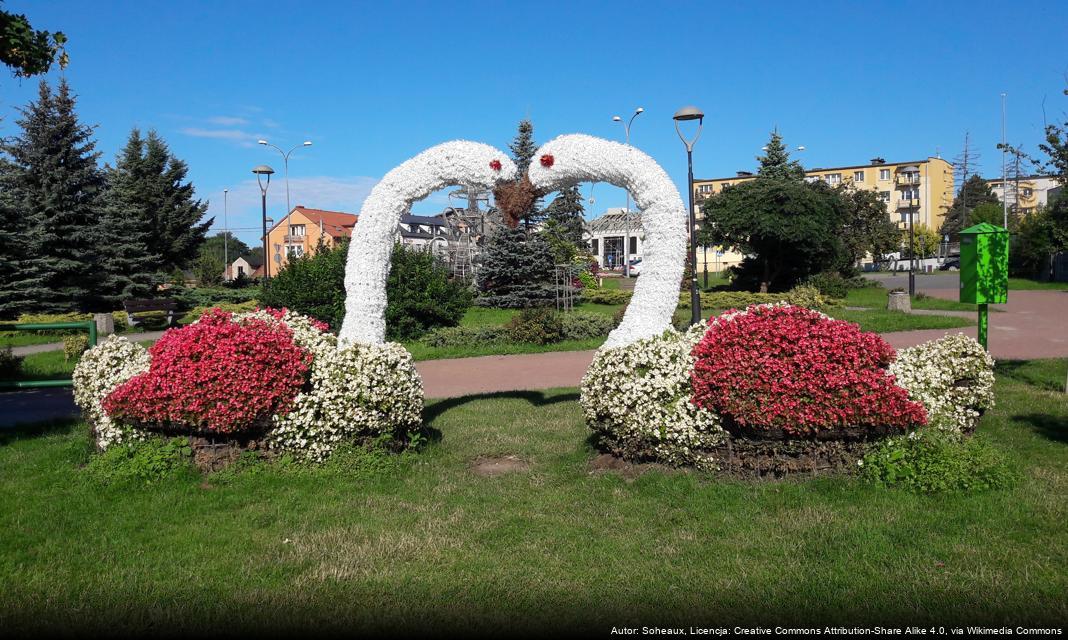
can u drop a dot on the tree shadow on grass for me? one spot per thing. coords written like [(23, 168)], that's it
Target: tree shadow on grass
[(1052, 427), (1047, 375), (24, 431), (535, 398)]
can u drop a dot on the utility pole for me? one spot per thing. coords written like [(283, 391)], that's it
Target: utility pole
[(1004, 176), (226, 234)]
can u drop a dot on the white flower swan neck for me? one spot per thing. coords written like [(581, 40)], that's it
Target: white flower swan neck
[(459, 162), (579, 158)]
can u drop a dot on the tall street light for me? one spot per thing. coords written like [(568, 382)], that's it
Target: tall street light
[(260, 171), (226, 234), (626, 214), (285, 163), (691, 113)]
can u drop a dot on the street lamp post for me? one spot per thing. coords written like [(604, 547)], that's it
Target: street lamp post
[(260, 171), (285, 169), (226, 233), (626, 213), (691, 113)]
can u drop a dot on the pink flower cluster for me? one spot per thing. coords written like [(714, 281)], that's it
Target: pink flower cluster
[(789, 368), (217, 375)]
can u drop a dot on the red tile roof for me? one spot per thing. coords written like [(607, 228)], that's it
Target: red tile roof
[(336, 224)]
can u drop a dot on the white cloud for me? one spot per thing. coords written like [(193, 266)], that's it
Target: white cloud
[(236, 135), (228, 121)]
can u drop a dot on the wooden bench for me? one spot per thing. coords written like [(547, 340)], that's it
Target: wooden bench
[(133, 307)]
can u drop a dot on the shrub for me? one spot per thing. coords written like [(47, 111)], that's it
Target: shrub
[(74, 346), (10, 364), (356, 394), (830, 284), (192, 297), (785, 371), (419, 292), (637, 399), (935, 462), (215, 376), (466, 336), (953, 377), (606, 296), (100, 370), (579, 325), (802, 296), (588, 281), (537, 325), (142, 462), (231, 307), (420, 295)]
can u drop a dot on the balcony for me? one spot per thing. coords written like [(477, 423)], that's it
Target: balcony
[(907, 179), (297, 239), (908, 203)]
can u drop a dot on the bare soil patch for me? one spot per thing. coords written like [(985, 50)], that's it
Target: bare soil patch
[(499, 466)]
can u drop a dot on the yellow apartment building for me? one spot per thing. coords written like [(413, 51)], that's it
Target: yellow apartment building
[(920, 189), (298, 233)]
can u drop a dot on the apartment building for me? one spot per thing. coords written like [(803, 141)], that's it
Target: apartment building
[(1026, 193), (299, 232)]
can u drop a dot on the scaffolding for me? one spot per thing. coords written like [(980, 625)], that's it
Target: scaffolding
[(468, 226)]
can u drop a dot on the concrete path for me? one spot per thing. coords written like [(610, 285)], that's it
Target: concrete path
[(58, 346)]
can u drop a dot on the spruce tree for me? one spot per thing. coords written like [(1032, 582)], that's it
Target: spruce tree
[(516, 271), (776, 162), (57, 185), (166, 203), (568, 213), (131, 269), (20, 273), (523, 148)]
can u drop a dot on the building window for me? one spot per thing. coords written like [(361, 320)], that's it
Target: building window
[(858, 176), (240, 271), (1027, 192), (633, 245), (294, 251), (704, 188), (884, 174), (834, 179), (884, 196), (594, 246), (297, 230)]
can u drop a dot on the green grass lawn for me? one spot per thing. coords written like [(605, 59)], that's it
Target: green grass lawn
[(25, 338), (875, 298), (1022, 284), (51, 365), (428, 543)]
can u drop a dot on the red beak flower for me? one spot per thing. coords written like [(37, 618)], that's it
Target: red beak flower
[(547, 160), (495, 165)]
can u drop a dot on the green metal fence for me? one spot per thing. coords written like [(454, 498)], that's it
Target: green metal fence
[(89, 326)]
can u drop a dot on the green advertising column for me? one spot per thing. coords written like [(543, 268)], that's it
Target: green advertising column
[(984, 270)]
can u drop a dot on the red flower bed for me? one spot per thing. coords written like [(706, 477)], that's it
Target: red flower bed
[(215, 376), (788, 371)]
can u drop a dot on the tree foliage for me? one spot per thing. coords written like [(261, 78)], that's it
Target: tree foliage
[(973, 193), (516, 271), (28, 51), (787, 229), (867, 228), (523, 147), (564, 223), (235, 248), (54, 178), (419, 292), (776, 162)]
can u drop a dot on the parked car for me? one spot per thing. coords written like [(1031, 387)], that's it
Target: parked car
[(635, 266), (951, 264)]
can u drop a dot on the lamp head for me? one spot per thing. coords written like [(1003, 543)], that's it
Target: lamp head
[(262, 170), (261, 142), (307, 143), (616, 119), (689, 113), (639, 110)]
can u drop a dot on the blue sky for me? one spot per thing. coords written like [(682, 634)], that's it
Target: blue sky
[(372, 83)]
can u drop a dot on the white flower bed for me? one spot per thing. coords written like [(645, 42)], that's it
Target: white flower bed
[(953, 377), (356, 392), (638, 398), (571, 159), (100, 370)]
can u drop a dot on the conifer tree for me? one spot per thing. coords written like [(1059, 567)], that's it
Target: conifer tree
[(20, 272), (167, 202), (973, 193), (57, 185), (776, 162), (131, 269), (564, 224), (516, 271), (523, 148)]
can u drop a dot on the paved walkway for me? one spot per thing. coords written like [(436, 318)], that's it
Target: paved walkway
[(58, 346)]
